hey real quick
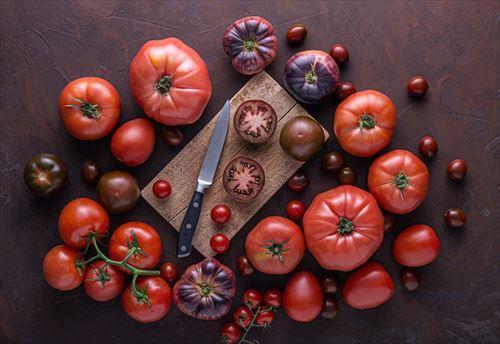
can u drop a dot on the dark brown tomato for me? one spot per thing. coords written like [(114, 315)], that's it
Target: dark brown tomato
[(347, 176), (330, 308), (172, 136), (255, 121), (344, 90), (91, 172), (45, 174), (339, 53), (389, 222), (428, 146), (298, 182), (410, 279), (296, 34), (455, 217), (118, 191), (417, 86), (333, 161), (457, 169), (302, 137), (243, 265), (330, 284), (243, 179)]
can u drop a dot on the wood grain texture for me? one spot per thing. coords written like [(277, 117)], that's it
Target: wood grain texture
[(183, 170)]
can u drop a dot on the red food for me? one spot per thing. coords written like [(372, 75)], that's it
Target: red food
[(168, 271), (255, 121), (303, 297), (265, 317), (455, 217), (298, 182), (410, 279), (162, 189), (103, 282), (339, 53), (89, 108), (296, 34), (243, 265), (170, 82), (242, 316), (347, 176), (219, 243), (272, 298), (133, 142), (275, 245), (60, 270), (457, 169), (220, 213), (243, 179), (295, 209), (399, 181), (79, 218), (428, 146), (368, 287), (154, 305), (230, 333), (417, 245), (252, 298), (417, 86), (344, 90), (343, 227)]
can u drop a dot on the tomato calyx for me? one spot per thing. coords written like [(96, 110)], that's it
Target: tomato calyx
[(345, 226), (253, 323), (87, 109), (311, 77), (134, 248), (401, 181), (276, 248), (102, 275), (366, 121), (249, 44), (164, 84), (205, 289)]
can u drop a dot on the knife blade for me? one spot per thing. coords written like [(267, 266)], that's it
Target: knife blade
[(205, 179)]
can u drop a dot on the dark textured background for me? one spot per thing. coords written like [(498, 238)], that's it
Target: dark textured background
[(455, 44)]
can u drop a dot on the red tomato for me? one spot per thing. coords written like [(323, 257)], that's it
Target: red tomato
[(252, 298), (242, 316), (219, 243), (159, 299), (343, 227), (133, 143), (272, 298), (295, 209), (399, 181), (244, 266), (89, 108), (220, 213), (275, 246), (170, 82), (265, 317), (162, 188), (417, 245), (303, 297), (168, 272), (60, 270), (364, 123), (79, 218), (143, 236), (230, 333), (103, 282), (368, 287)]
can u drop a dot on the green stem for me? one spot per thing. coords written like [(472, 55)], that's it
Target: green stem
[(311, 77), (249, 327), (345, 226), (163, 85), (366, 121), (401, 181), (87, 109)]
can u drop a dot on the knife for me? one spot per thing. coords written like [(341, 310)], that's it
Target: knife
[(205, 179)]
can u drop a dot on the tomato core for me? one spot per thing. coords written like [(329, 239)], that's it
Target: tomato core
[(206, 290), (366, 121), (345, 226), (311, 77), (249, 45), (401, 181), (163, 85), (276, 248)]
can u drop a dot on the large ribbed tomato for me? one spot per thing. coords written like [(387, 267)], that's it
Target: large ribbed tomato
[(364, 123), (343, 227), (170, 81)]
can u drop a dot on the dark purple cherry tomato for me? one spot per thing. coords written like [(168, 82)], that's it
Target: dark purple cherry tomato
[(417, 86), (162, 188), (230, 333), (347, 176), (339, 53), (295, 209), (296, 34), (168, 271), (298, 182), (220, 213), (389, 222), (330, 308), (344, 90), (330, 284), (333, 161), (457, 169), (455, 217), (428, 146), (252, 298), (91, 172), (410, 279), (219, 243), (243, 265), (272, 298), (172, 136)]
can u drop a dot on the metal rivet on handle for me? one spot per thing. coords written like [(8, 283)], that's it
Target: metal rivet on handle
[(188, 226), (195, 204), (183, 248)]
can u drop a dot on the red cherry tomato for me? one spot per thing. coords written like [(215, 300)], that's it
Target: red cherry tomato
[(157, 305), (303, 297), (295, 209), (272, 298), (265, 317), (162, 189), (230, 333), (103, 282), (133, 143), (219, 243), (243, 265), (60, 270), (220, 213), (242, 316), (417, 245), (252, 298), (168, 271)]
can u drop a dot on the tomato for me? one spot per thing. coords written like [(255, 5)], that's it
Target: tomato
[(103, 282), (133, 142), (170, 82), (79, 218), (230, 333), (118, 191), (169, 272), (89, 108), (330, 284), (219, 243), (417, 245), (162, 189), (265, 317), (244, 266), (242, 316), (252, 298), (275, 246), (343, 227), (136, 234), (60, 270), (157, 305), (365, 122), (220, 213), (368, 287), (399, 181), (272, 298), (295, 209), (303, 297), (91, 172), (45, 174)]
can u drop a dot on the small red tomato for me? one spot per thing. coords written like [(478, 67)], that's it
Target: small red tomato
[(344, 90), (168, 271), (265, 317), (220, 213), (219, 243), (457, 169), (417, 86), (162, 188), (230, 333), (133, 143), (298, 182), (428, 146), (455, 217), (417, 245), (339, 53), (243, 265), (296, 34), (103, 282), (242, 316), (295, 209), (60, 270), (252, 298), (272, 298)]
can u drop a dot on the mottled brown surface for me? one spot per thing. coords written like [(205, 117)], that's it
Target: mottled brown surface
[(455, 44)]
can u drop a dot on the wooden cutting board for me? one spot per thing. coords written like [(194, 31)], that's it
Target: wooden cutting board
[(182, 171)]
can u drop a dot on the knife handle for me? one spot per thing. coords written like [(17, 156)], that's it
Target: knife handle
[(189, 225)]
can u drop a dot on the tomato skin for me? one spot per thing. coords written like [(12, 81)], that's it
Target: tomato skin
[(368, 287), (162, 189), (417, 245), (231, 333), (59, 268), (368, 140), (79, 218), (219, 243), (180, 100), (220, 214), (108, 290), (303, 297), (272, 297), (45, 174), (382, 177), (295, 209), (133, 142), (160, 298), (252, 298), (148, 240), (275, 232), (242, 316), (169, 272), (265, 317), (328, 232), (243, 265), (94, 91)]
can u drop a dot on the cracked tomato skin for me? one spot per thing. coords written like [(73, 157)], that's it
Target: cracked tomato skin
[(364, 123), (251, 44), (170, 82), (343, 227), (383, 181)]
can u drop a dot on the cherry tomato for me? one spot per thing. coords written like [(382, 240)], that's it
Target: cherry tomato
[(60, 270), (242, 316), (172, 136), (339, 53), (79, 218), (230, 333), (157, 304), (220, 213), (118, 191), (455, 217), (272, 298), (347, 176), (333, 161), (45, 174), (219, 243), (389, 222), (428, 146), (296, 34), (168, 271), (295, 209), (410, 279), (141, 236), (265, 317), (330, 284), (344, 90), (417, 245), (417, 85), (243, 265), (457, 169), (133, 142), (162, 189), (103, 282), (252, 298), (330, 308), (303, 298), (298, 182), (91, 172)]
